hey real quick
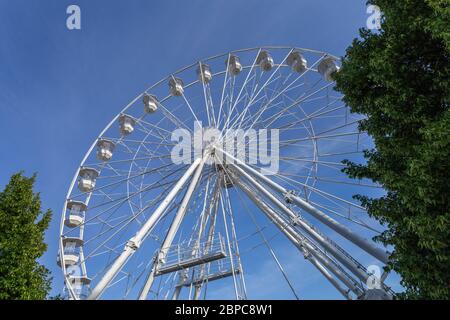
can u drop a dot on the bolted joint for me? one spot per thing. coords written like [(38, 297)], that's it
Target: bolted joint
[(133, 244), (296, 221), (288, 196), (160, 258), (306, 255)]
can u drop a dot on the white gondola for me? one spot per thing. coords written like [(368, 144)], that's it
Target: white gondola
[(297, 62), (80, 285), (204, 73), (105, 149), (327, 67), (88, 176), (71, 251), (126, 124), (176, 86), (265, 61), (76, 213), (150, 103), (234, 65)]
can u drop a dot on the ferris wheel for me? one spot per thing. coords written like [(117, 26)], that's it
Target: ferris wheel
[(147, 219)]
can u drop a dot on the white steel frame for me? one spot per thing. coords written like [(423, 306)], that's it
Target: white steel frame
[(270, 194)]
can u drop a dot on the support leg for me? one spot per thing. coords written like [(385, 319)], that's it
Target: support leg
[(134, 243)]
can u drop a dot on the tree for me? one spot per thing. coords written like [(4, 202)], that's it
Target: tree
[(22, 227), (399, 78)]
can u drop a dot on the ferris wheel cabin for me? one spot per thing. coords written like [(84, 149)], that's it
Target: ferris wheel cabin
[(88, 176), (176, 86), (77, 210), (265, 61), (126, 124), (105, 149), (327, 67), (297, 62), (150, 103), (234, 65), (80, 285), (204, 73), (71, 251)]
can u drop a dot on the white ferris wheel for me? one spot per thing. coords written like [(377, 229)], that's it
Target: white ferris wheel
[(138, 225)]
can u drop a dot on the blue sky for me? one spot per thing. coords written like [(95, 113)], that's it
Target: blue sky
[(59, 88)]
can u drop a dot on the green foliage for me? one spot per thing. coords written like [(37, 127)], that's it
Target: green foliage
[(399, 78), (22, 227)]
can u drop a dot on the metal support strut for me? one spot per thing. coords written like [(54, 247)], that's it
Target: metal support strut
[(134, 243), (173, 230), (364, 244)]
